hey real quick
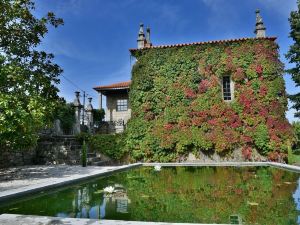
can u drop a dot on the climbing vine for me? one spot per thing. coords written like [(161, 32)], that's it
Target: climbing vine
[(177, 103)]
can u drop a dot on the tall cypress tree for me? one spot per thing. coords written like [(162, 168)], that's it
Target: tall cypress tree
[(293, 55)]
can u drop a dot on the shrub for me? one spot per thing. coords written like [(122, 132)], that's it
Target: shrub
[(296, 127), (83, 136), (112, 145)]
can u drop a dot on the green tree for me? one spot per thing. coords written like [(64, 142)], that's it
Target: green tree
[(65, 112), (28, 76), (293, 55), (98, 114)]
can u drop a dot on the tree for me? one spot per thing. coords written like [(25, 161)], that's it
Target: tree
[(293, 55), (98, 115), (65, 112), (28, 76)]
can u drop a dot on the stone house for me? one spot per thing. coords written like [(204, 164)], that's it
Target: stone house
[(118, 110), (214, 96)]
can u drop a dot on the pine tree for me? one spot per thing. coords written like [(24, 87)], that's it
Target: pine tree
[(293, 55)]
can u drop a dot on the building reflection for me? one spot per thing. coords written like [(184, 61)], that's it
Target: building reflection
[(90, 202), (296, 197)]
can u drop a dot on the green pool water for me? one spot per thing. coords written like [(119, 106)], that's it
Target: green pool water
[(254, 195)]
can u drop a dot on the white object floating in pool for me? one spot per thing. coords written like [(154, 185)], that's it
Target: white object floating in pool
[(252, 203), (109, 189), (157, 168)]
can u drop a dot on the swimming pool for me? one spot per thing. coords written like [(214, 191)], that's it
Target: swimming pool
[(254, 195)]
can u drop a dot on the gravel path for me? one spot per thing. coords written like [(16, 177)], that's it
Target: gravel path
[(18, 177)]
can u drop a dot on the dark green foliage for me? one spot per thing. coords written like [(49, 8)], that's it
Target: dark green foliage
[(98, 114), (84, 154), (296, 127), (178, 108), (28, 95), (293, 55), (65, 112), (83, 136), (112, 145)]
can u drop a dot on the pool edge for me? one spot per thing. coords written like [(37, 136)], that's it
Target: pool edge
[(16, 219), (32, 189)]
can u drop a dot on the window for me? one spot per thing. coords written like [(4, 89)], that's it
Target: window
[(122, 105), (227, 88)]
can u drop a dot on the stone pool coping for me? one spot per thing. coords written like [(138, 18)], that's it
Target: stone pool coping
[(14, 219), (237, 164), (35, 188)]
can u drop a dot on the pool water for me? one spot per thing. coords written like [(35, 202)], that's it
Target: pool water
[(252, 195)]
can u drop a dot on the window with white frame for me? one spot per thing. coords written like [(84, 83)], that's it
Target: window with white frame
[(227, 87), (122, 104)]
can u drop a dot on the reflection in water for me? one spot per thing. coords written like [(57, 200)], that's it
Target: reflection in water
[(91, 202), (249, 195), (296, 197)]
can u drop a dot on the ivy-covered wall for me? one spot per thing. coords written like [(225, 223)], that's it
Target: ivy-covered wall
[(177, 103)]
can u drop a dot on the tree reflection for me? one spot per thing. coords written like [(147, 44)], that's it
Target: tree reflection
[(258, 195)]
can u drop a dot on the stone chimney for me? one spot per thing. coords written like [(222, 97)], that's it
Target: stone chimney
[(260, 29), (141, 37), (148, 42)]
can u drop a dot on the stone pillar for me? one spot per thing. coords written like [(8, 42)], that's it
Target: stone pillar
[(141, 37), (57, 128), (77, 105), (260, 29), (89, 113)]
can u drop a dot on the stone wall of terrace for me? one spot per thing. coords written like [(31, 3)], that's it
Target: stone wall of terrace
[(58, 150), (10, 158), (49, 150)]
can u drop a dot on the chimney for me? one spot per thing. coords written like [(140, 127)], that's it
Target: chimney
[(260, 29), (141, 37), (148, 42)]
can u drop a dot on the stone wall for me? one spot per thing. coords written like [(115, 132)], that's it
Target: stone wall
[(9, 158), (49, 150), (58, 150)]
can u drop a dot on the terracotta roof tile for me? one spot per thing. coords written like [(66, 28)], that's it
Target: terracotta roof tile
[(119, 85), (203, 43)]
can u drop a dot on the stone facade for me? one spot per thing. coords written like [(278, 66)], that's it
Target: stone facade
[(111, 113)]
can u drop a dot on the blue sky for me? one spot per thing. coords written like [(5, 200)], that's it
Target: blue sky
[(92, 46)]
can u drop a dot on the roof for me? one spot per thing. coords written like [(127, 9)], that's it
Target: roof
[(204, 43), (120, 85)]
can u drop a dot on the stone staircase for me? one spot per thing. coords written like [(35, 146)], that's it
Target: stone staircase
[(94, 159)]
